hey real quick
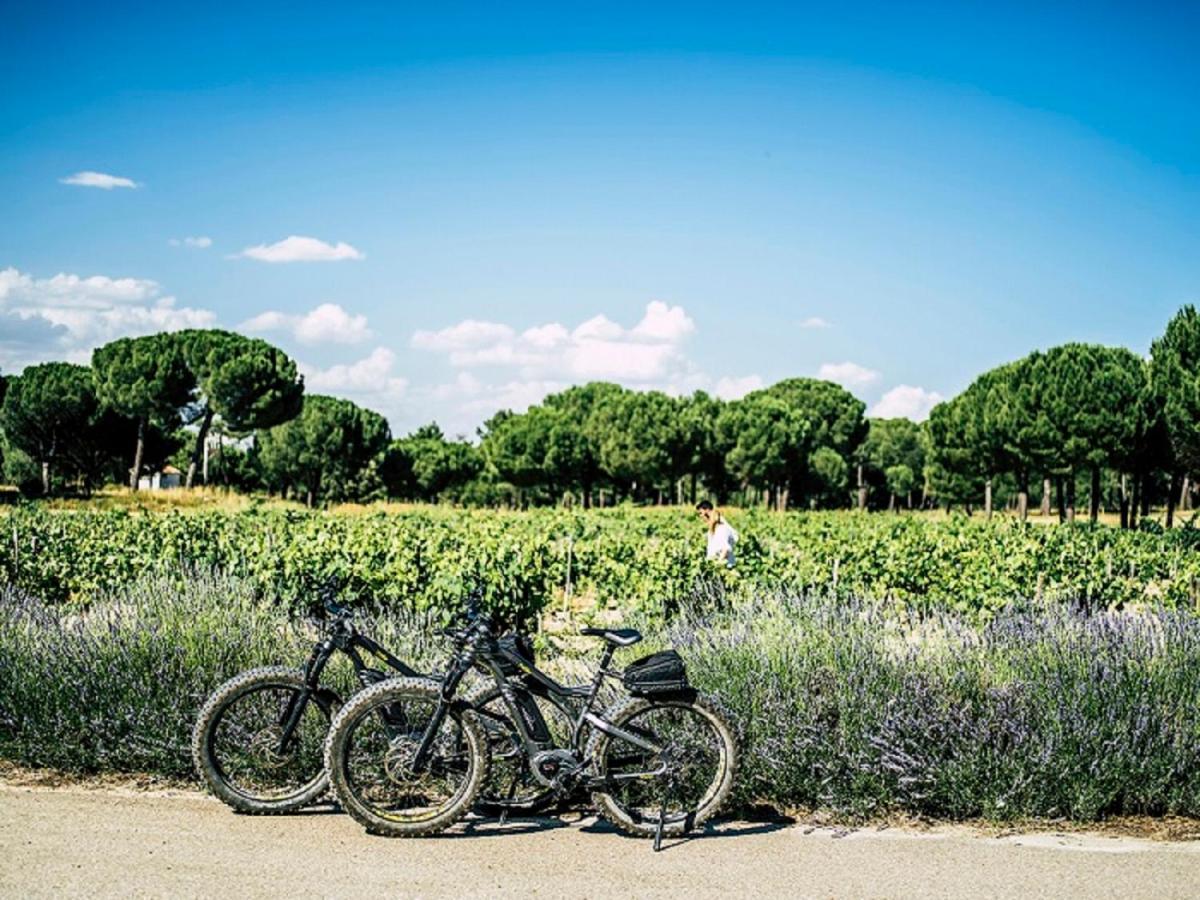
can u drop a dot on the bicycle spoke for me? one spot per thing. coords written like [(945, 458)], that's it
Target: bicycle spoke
[(245, 745), (379, 763), (692, 759)]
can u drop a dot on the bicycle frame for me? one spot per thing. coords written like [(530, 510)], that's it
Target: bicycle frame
[(528, 719), (345, 640)]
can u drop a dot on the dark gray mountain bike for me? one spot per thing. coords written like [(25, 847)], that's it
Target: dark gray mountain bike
[(258, 739), (659, 762)]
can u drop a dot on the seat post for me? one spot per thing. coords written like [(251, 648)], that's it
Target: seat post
[(606, 658), (598, 678)]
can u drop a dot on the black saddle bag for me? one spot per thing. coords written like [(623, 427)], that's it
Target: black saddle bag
[(656, 675)]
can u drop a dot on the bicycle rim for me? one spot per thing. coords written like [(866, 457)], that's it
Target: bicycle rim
[(696, 758), (379, 747), (244, 744)]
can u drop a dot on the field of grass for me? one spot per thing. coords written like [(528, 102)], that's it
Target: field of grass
[(851, 706)]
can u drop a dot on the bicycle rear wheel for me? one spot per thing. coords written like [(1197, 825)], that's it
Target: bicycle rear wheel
[(694, 770)]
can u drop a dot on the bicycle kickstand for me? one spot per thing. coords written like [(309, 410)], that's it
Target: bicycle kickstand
[(658, 829)]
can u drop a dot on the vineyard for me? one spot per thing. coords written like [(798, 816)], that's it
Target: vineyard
[(628, 560)]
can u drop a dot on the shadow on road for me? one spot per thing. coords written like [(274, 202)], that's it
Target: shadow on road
[(761, 822), (710, 830)]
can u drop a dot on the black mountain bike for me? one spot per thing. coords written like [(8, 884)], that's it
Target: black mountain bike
[(258, 739), (659, 762)]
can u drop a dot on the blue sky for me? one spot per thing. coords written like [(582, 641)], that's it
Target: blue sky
[(491, 203)]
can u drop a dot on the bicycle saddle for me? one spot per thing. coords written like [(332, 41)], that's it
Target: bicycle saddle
[(621, 637)]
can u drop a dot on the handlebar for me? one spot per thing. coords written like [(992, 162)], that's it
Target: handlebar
[(473, 623)]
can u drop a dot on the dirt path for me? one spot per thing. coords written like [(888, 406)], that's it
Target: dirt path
[(73, 842)]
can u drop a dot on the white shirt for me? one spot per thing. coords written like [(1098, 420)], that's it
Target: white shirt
[(720, 543)]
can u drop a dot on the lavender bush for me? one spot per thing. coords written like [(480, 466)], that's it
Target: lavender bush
[(857, 707), (117, 688), (1047, 711)]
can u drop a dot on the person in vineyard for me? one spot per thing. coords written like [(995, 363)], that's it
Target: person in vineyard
[(721, 536)]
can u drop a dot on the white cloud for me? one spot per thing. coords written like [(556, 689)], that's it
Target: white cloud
[(730, 388), (815, 322), (68, 315), (598, 328), (461, 405), (621, 360), (649, 353), (201, 242), (295, 248), (502, 367), (468, 334), (371, 382), (663, 323), (847, 374), (99, 180), (546, 336), (906, 401), (370, 375), (71, 291), (327, 324)]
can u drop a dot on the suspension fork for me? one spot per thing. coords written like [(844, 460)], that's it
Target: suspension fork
[(294, 710), (449, 688)]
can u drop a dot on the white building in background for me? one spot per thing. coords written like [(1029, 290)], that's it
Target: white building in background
[(165, 480)]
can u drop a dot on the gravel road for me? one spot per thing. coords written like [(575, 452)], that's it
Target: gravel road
[(73, 842)]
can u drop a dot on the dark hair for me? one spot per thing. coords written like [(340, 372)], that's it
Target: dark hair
[(704, 505)]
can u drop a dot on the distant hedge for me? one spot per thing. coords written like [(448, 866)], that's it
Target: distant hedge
[(645, 560)]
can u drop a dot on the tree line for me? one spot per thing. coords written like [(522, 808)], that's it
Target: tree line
[(1076, 421)]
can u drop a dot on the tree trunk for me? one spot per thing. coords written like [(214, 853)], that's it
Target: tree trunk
[(782, 497), (987, 497), (862, 489), (1071, 495), (1185, 494), (45, 478), (1094, 499), (1046, 497), (1145, 496), (692, 490), (1058, 498), (1171, 489), (198, 450), (891, 502), (138, 453), (1135, 504), (221, 457), (308, 500), (1023, 497), (1123, 497)]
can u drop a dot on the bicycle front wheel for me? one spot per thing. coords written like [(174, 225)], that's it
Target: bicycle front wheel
[(238, 746), (370, 751), (684, 784)]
